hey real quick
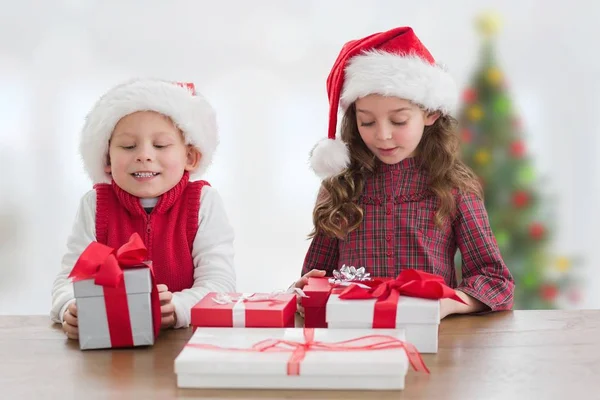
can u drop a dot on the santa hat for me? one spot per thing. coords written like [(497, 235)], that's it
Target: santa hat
[(392, 63), (188, 110)]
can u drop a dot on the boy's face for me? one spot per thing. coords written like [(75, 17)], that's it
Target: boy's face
[(391, 127), (147, 154)]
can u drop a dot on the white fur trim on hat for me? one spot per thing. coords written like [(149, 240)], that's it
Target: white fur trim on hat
[(190, 112), (329, 158), (405, 76)]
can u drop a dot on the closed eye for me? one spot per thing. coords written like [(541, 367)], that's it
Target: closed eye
[(128, 147), (367, 123)]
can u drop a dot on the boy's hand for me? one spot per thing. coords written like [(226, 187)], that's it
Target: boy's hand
[(167, 309), (70, 325)]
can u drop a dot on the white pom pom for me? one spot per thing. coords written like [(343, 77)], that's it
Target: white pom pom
[(329, 158)]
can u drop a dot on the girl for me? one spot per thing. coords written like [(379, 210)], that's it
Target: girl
[(142, 144), (394, 193)]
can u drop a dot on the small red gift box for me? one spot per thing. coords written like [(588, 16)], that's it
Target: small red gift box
[(315, 305), (250, 310)]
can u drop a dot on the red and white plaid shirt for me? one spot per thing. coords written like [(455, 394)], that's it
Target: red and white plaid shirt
[(398, 231)]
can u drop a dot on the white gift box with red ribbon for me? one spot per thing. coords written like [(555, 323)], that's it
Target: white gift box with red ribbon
[(419, 318), (296, 358)]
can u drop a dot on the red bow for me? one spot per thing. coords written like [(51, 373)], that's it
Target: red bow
[(410, 282), (105, 265)]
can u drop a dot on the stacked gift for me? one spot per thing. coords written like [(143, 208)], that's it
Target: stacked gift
[(296, 358), (117, 300), (410, 302), (250, 310)]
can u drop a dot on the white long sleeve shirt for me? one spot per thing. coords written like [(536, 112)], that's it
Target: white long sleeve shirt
[(212, 253)]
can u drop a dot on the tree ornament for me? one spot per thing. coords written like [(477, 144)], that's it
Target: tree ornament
[(525, 175), (494, 76), (517, 149), (488, 23), (502, 105), (537, 231), (475, 113), (470, 96), (563, 264), (466, 135), (483, 157), (520, 199), (548, 292)]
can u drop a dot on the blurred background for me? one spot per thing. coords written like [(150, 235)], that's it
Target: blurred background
[(528, 72)]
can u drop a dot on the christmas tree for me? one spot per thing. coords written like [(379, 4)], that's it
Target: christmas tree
[(493, 145)]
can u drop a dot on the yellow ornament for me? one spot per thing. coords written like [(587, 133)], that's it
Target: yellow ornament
[(488, 23), (494, 76), (563, 264), (483, 157), (475, 113)]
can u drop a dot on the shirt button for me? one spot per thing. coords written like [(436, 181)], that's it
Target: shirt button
[(389, 252), (389, 210), (388, 237)]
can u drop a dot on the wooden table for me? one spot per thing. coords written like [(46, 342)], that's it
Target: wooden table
[(510, 355)]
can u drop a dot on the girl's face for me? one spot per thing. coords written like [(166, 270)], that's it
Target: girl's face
[(391, 127), (147, 154)]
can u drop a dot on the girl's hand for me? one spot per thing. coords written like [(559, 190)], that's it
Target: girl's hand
[(449, 306)]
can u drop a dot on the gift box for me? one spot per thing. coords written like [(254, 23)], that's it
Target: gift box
[(296, 358), (250, 310), (419, 318), (410, 302), (117, 300)]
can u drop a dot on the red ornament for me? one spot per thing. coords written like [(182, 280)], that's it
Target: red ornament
[(466, 135), (520, 199), (548, 292), (537, 230), (470, 96), (517, 149)]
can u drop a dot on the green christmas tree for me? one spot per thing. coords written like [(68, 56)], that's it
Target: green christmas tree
[(494, 147)]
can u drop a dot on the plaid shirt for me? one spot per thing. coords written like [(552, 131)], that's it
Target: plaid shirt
[(398, 231)]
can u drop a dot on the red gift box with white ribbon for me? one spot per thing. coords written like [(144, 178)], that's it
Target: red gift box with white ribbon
[(250, 310)]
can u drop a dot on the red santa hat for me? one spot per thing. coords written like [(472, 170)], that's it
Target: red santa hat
[(188, 110), (392, 63)]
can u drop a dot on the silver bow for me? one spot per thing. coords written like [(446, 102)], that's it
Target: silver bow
[(349, 274)]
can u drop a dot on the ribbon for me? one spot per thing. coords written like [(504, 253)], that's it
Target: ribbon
[(409, 282), (105, 266), (299, 349), (238, 309)]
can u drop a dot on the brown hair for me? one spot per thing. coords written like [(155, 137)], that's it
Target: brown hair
[(337, 212)]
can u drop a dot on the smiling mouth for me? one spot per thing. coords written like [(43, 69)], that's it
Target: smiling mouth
[(144, 174)]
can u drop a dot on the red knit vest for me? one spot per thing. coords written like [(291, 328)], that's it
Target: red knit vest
[(168, 231)]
